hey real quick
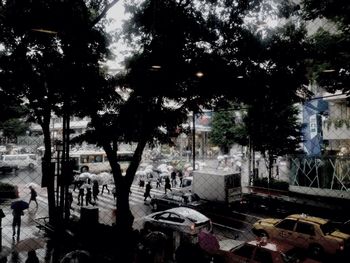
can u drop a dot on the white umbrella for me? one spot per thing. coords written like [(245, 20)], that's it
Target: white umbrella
[(186, 165), (149, 167), (164, 174), (103, 174), (140, 173), (84, 175), (162, 167), (86, 185), (148, 171), (106, 177), (95, 177)]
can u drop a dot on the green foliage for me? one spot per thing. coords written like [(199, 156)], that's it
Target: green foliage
[(330, 50), (227, 129), (14, 127), (338, 123), (8, 191)]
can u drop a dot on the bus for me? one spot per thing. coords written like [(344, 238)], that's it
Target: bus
[(97, 161)]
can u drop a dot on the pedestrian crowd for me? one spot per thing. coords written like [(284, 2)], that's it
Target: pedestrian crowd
[(171, 181)]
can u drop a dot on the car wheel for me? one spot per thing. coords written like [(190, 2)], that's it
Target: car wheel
[(316, 250), (84, 169), (31, 166)]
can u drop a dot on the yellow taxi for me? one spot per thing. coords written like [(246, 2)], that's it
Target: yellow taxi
[(263, 251), (300, 230)]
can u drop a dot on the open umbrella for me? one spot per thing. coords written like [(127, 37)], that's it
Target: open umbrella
[(19, 205), (29, 244), (84, 176), (85, 186), (95, 177), (106, 177), (76, 256), (156, 240), (208, 242)]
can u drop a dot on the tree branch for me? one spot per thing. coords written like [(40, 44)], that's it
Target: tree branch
[(103, 13)]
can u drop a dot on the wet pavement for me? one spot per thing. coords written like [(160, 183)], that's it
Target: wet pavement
[(16, 249)]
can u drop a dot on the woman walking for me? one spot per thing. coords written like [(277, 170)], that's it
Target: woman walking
[(33, 196)]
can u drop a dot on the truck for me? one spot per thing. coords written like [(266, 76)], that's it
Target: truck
[(217, 186)]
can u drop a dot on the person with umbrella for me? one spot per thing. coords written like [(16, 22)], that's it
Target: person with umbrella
[(17, 211)]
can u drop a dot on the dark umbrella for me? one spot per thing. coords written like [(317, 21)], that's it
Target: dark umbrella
[(208, 242), (156, 240), (76, 256), (19, 205), (29, 244)]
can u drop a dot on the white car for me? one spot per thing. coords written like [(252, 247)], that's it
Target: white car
[(181, 219), (21, 161)]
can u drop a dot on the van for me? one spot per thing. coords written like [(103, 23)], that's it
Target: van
[(21, 160)]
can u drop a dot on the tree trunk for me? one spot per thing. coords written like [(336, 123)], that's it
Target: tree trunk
[(124, 217)]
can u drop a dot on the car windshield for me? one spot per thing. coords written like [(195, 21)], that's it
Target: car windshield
[(328, 228)]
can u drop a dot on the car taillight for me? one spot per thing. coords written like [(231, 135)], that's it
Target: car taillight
[(341, 247)]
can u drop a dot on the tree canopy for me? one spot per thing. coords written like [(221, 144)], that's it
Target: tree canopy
[(53, 63), (329, 56)]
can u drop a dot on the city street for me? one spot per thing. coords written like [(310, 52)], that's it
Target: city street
[(106, 207)]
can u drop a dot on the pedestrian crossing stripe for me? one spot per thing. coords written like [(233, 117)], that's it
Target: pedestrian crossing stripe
[(107, 202)]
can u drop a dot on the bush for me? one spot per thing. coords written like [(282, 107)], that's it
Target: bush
[(8, 191), (273, 184)]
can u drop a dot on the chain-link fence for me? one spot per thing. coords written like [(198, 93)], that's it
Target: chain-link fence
[(224, 206)]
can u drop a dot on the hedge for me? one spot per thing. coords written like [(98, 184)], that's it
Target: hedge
[(8, 191)]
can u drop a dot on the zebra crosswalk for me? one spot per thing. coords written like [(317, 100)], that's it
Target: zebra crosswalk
[(107, 204)]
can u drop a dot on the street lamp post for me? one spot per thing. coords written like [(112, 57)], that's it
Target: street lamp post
[(2, 215), (59, 149), (194, 140), (199, 75)]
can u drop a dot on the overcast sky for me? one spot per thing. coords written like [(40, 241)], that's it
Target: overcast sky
[(116, 14)]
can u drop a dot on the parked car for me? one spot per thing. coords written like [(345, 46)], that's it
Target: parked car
[(316, 234), (7, 168), (21, 160), (176, 199), (181, 219), (261, 251)]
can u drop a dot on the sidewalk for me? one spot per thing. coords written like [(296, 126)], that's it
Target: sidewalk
[(29, 233)]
